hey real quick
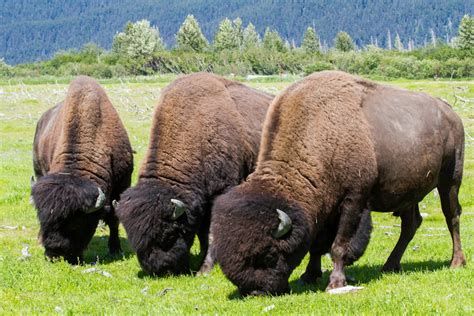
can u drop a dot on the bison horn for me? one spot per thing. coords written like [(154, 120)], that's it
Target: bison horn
[(179, 209), (115, 204), (284, 226), (32, 181), (99, 203)]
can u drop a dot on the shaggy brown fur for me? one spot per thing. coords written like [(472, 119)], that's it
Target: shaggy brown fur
[(80, 145), (333, 147), (204, 140)]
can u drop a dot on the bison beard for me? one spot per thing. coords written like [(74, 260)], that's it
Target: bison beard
[(334, 147)]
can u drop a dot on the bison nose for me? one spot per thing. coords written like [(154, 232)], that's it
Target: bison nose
[(53, 256), (257, 293)]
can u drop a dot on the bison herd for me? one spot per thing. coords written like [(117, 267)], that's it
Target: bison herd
[(261, 180)]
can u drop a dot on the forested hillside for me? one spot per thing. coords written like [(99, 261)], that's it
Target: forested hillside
[(35, 30)]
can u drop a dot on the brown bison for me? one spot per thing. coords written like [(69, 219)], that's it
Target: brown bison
[(333, 147), (83, 161), (204, 139)]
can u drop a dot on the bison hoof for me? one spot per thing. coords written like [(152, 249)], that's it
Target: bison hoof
[(116, 253), (391, 268), (337, 283), (458, 261), (307, 278)]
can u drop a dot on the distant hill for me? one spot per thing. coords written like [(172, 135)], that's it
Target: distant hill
[(35, 30)]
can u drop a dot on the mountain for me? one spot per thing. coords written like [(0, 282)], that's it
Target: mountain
[(35, 30)]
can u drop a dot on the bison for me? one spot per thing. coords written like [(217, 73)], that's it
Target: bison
[(83, 160), (334, 147), (204, 139)]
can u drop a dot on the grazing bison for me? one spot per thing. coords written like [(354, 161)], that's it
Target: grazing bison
[(204, 139), (335, 146), (83, 161)]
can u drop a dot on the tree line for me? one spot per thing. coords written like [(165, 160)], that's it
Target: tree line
[(140, 50)]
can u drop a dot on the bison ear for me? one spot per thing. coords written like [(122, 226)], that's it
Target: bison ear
[(99, 203), (284, 226), (179, 209)]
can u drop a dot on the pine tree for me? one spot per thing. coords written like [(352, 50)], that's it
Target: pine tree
[(389, 40), (272, 41), (343, 42), (311, 41), (251, 39), (466, 33), (433, 37), (238, 32), (225, 36), (190, 37), (398, 43)]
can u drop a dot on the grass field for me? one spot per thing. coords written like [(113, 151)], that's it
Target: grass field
[(35, 286)]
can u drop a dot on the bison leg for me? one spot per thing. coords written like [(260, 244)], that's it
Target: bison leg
[(114, 242), (205, 239), (313, 269), (411, 220), (352, 237), (452, 212)]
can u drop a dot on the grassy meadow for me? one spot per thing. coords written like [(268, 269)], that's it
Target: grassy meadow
[(32, 285)]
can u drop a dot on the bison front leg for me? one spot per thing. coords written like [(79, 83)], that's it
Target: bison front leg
[(411, 220), (352, 237), (114, 241), (313, 269), (205, 239)]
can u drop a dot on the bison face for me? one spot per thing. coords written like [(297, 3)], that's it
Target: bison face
[(160, 227), (258, 239), (68, 211)]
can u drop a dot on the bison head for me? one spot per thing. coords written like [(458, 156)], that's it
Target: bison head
[(259, 238), (68, 211), (160, 226)]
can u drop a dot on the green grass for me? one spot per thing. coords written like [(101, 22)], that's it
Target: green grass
[(36, 286)]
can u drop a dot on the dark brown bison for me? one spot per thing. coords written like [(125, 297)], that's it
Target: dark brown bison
[(83, 161), (204, 139), (333, 147)]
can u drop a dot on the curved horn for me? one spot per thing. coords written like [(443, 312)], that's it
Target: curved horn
[(284, 226), (32, 181), (99, 203), (115, 204), (179, 209)]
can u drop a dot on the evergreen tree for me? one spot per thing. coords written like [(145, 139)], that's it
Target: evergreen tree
[(398, 43), (190, 37), (310, 41), (250, 39), (433, 37), (272, 41), (238, 32), (466, 33), (389, 40), (138, 41), (343, 42), (225, 37)]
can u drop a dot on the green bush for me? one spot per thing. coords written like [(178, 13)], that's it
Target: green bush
[(318, 66)]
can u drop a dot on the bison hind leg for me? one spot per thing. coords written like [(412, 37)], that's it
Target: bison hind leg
[(452, 212), (411, 220)]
